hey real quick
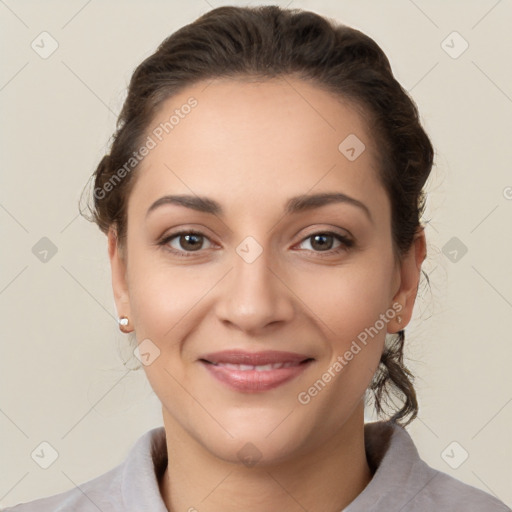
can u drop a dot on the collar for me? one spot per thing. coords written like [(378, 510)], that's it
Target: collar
[(398, 472)]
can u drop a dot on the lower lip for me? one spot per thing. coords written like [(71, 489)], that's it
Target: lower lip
[(253, 381)]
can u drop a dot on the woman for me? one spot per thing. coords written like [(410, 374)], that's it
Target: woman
[(262, 202)]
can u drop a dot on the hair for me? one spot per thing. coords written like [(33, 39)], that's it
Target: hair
[(270, 42)]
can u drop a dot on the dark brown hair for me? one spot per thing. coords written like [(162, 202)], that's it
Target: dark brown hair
[(268, 42)]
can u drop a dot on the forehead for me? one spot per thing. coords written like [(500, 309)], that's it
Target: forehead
[(248, 143)]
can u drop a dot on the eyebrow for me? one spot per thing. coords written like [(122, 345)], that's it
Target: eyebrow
[(293, 205)]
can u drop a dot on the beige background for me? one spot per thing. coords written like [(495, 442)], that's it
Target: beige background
[(62, 378)]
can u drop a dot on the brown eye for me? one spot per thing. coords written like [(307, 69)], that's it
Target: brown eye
[(190, 242), (185, 242), (324, 241)]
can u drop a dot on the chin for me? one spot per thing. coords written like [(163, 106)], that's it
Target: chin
[(258, 452), (260, 437)]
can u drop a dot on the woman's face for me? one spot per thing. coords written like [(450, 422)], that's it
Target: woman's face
[(268, 270)]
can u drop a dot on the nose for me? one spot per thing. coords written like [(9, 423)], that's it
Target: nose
[(255, 297)]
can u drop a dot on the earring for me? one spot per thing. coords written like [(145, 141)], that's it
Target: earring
[(399, 319), (123, 322)]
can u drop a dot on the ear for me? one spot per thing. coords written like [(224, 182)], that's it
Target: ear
[(409, 277), (118, 268)]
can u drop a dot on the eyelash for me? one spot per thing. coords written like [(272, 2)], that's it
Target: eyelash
[(346, 243)]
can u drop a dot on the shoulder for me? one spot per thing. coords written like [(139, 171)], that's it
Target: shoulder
[(100, 493), (403, 481), (443, 492), (133, 483)]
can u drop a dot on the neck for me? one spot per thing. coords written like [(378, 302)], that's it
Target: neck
[(326, 479)]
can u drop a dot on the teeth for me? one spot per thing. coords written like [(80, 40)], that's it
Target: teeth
[(266, 367), (258, 368)]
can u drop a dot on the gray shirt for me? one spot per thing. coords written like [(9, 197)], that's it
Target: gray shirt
[(401, 481)]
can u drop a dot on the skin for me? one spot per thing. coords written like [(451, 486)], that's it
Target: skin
[(251, 146)]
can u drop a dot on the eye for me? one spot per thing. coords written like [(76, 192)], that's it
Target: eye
[(322, 242), (185, 242)]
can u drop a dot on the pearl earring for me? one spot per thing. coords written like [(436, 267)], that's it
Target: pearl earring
[(123, 322)]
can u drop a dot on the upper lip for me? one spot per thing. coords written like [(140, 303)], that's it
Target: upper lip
[(254, 358)]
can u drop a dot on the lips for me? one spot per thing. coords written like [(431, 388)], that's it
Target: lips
[(255, 371)]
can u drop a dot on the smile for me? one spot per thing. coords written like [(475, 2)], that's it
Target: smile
[(258, 368), (255, 372)]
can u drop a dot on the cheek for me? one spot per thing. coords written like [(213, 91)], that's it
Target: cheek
[(348, 299), (162, 297), (348, 303)]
